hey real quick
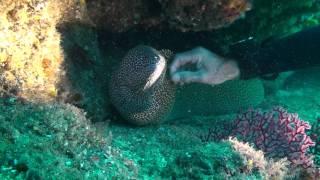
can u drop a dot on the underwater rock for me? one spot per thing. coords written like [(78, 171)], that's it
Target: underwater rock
[(120, 15), (201, 15), (211, 161), (58, 141), (140, 89), (85, 82), (182, 15), (30, 52)]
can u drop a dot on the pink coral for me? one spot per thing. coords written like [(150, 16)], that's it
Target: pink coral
[(278, 133)]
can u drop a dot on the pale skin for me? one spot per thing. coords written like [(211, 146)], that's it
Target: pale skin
[(210, 69)]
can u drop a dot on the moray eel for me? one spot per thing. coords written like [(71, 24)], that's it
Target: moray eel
[(140, 88)]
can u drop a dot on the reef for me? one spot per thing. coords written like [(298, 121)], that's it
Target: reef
[(200, 15), (42, 46), (120, 15), (182, 15), (269, 20), (30, 53), (31, 56), (140, 89), (55, 140)]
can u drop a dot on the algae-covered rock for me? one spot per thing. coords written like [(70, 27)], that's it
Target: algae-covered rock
[(30, 53), (200, 15), (86, 72), (269, 20), (175, 151), (182, 15), (55, 140), (214, 160)]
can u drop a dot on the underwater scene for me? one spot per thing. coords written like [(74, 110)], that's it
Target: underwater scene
[(160, 89)]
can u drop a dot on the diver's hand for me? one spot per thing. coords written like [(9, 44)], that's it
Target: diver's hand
[(210, 68)]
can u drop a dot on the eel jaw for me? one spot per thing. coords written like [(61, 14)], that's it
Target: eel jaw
[(160, 68)]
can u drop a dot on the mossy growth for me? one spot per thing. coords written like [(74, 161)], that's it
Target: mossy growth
[(281, 17), (30, 51), (52, 140)]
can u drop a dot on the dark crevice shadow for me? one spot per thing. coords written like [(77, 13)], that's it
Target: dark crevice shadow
[(85, 79)]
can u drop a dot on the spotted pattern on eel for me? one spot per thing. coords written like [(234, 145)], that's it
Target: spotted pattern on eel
[(140, 88)]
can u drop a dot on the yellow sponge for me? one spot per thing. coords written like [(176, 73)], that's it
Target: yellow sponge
[(30, 52)]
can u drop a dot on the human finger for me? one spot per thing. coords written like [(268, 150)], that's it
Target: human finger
[(188, 77), (182, 59)]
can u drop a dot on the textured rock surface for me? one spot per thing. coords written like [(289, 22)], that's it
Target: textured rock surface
[(86, 72), (198, 15), (56, 141), (120, 15), (139, 88), (183, 15), (30, 53)]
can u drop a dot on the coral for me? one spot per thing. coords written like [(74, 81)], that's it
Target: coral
[(198, 15), (140, 89), (30, 53), (315, 135), (118, 15), (277, 133), (220, 131), (55, 140), (183, 15), (252, 158), (212, 161), (74, 11)]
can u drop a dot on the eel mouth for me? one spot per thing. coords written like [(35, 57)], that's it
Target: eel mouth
[(159, 68)]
